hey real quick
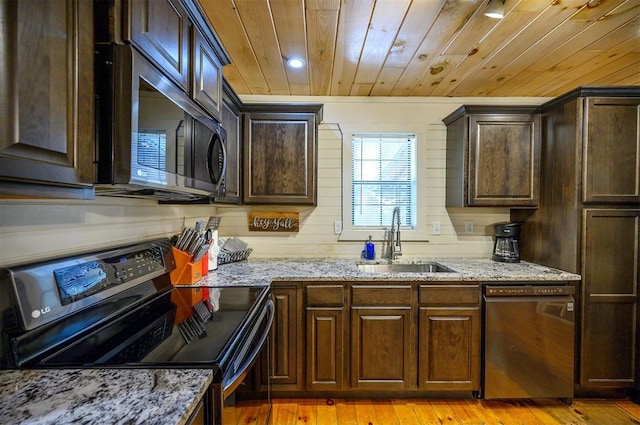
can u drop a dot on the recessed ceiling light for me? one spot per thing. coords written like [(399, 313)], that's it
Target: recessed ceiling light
[(295, 63), (495, 9)]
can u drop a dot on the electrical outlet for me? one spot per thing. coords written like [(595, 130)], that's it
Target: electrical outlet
[(468, 226), (337, 227), (435, 228)]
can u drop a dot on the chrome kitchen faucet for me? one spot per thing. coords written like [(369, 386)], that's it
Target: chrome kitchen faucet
[(395, 246)]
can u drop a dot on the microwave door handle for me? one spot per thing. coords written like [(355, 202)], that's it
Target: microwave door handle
[(235, 380), (210, 165)]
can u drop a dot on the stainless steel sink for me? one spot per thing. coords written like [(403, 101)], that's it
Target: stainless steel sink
[(405, 268)]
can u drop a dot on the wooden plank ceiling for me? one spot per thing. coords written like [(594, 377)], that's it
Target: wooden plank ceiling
[(427, 47)]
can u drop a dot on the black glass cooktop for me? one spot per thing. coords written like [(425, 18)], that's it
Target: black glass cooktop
[(177, 327)]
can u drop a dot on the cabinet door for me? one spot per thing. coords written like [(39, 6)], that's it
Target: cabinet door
[(280, 158), (504, 160), (325, 348), (207, 75), (160, 28), (612, 150), (610, 297), (381, 348), (231, 124), (325, 304), (46, 96), (449, 349), (284, 342)]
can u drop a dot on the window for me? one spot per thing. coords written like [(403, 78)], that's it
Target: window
[(383, 177)]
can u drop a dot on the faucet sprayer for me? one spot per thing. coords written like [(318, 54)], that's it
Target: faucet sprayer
[(395, 246)]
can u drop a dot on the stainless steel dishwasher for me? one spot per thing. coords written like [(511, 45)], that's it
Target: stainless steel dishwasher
[(528, 341)]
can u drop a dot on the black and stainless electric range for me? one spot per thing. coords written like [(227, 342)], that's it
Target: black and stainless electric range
[(118, 308)]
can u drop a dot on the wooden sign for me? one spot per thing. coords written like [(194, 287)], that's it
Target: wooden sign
[(274, 221)]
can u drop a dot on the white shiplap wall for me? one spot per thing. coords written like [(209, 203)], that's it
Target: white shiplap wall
[(343, 117), (31, 230)]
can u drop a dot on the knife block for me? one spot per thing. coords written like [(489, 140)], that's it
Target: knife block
[(186, 272)]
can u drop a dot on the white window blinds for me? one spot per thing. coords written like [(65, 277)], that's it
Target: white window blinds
[(152, 148), (384, 177)]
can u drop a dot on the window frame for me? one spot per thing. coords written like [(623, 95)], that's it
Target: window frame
[(392, 138), (380, 234)]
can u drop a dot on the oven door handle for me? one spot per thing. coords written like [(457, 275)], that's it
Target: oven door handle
[(239, 373)]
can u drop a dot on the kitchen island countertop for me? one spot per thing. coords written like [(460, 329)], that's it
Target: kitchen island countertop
[(101, 396)]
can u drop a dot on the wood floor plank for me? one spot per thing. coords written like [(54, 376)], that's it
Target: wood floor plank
[(385, 412), (250, 413), (306, 413), (629, 407), (561, 413), (444, 412), (601, 412), (512, 412), (346, 412), (463, 412), (543, 411), (485, 415), (366, 414), (326, 412), (263, 414), (284, 412), (404, 411), (425, 413)]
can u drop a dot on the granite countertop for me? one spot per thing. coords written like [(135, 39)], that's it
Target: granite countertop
[(264, 271), (101, 396)]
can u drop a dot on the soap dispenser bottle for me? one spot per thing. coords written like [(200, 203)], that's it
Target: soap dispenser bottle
[(369, 251)]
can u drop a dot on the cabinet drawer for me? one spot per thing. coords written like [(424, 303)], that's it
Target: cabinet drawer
[(449, 294), (387, 295), (325, 295)]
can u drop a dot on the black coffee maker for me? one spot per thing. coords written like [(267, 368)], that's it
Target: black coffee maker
[(505, 245)]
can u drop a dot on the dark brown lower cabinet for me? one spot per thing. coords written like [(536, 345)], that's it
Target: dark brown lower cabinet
[(381, 348), (610, 298), (325, 313), (341, 338), (382, 337), (449, 337), (285, 342), (449, 349), (325, 352)]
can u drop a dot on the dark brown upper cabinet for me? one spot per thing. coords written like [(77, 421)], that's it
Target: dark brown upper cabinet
[(160, 29), (230, 115), (280, 148), (612, 150), (207, 75), (175, 36), (46, 99), (493, 156)]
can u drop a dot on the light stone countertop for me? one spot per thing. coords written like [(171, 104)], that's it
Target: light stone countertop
[(169, 396), (264, 271), (101, 396)]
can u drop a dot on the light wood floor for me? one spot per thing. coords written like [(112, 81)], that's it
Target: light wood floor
[(435, 412)]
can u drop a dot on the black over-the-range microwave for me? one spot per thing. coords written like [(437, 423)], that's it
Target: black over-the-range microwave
[(152, 139)]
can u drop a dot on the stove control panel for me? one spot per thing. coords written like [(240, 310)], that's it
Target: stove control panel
[(47, 291)]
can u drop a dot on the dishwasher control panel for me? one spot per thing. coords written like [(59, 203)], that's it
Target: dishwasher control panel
[(514, 290)]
